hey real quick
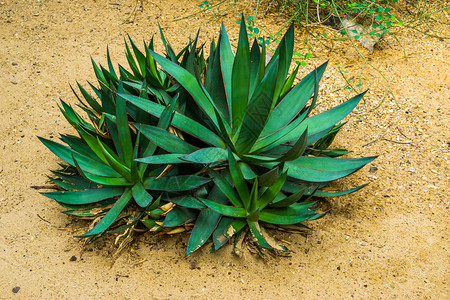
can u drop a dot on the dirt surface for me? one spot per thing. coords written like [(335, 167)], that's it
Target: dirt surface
[(387, 241)]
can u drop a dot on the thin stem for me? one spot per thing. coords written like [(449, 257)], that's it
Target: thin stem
[(396, 38), (256, 12)]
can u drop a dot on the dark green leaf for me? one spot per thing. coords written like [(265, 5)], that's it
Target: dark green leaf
[(272, 140), (247, 171), (204, 227), (162, 159), (140, 195), (216, 86), (271, 193), (285, 220), (289, 81), (321, 122), (114, 163), (226, 188), (165, 139), (175, 183), (298, 149), (110, 66), (102, 180), (255, 59), (207, 155), (206, 222), (253, 208), (315, 95), (111, 216), (238, 180), (231, 211), (291, 187), (187, 201), (219, 237), (293, 102), (151, 224), (99, 74), (86, 196), (80, 146), (132, 63), (78, 182), (255, 229), (226, 63), (93, 103), (290, 200), (257, 112), (179, 216), (225, 134), (190, 83), (268, 178), (179, 121), (240, 79), (87, 164), (294, 209), (332, 164), (124, 130), (139, 56), (283, 68)]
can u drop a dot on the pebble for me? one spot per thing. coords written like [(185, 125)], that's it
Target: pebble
[(373, 169), (14, 63), (73, 258), (363, 243), (16, 289)]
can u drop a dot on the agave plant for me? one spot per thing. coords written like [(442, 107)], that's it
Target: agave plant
[(227, 142)]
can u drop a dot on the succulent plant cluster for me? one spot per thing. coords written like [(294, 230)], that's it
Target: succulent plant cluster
[(224, 142)]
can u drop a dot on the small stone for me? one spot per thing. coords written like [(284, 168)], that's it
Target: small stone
[(73, 258), (14, 82), (373, 169), (363, 243), (14, 63), (16, 289)]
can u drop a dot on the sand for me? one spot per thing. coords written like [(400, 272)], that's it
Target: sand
[(387, 241)]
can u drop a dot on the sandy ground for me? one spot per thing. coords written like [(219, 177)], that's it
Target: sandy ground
[(387, 241)]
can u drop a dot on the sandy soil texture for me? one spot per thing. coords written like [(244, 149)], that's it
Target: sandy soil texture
[(387, 241)]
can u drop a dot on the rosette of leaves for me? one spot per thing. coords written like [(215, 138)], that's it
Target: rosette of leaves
[(100, 178), (240, 119), (226, 142)]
